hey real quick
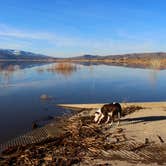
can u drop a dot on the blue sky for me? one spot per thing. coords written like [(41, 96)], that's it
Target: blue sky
[(64, 28)]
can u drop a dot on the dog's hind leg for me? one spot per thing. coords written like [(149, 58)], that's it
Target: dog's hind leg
[(112, 120), (118, 119)]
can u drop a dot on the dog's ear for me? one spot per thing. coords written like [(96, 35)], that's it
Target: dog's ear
[(97, 112)]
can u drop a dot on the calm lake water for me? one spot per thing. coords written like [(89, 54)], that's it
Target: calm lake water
[(22, 85)]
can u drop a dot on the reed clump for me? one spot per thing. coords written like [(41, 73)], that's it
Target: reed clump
[(155, 63), (63, 68)]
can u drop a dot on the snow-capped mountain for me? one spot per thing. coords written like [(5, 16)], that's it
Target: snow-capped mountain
[(18, 54)]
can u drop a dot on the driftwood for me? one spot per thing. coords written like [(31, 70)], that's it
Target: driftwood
[(84, 141)]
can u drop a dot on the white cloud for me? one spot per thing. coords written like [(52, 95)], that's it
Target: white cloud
[(7, 31), (56, 44), (57, 40)]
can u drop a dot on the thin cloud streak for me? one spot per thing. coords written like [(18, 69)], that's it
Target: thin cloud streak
[(66, 45), (12, 32)]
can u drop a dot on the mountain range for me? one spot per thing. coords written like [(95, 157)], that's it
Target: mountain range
[(123, 56), (10, 54)]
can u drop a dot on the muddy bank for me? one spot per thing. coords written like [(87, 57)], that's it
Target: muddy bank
[(84, 143)]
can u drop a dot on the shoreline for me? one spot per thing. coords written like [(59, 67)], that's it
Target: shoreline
[(152, 64), (138, 130), (97, 105)]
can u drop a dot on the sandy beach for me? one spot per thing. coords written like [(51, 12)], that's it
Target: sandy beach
[(77, 140), (149, 122)]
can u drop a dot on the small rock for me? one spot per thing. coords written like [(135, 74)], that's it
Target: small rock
[(34, 125), (45, 97)]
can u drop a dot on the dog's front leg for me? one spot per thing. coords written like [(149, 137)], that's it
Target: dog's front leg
[(101, 117), (111, 123), (111, 116), (108, 119)]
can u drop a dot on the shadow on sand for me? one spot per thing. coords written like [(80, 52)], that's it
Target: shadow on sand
[(145, 119)]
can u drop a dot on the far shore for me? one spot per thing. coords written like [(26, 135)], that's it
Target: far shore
[(147, 63), (77, 140)]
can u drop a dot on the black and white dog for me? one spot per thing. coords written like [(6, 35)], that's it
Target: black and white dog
[(108, 111)]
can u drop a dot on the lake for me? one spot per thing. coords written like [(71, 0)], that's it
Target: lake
[(21, 86)]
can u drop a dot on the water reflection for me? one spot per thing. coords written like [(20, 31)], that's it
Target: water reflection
[(9, 69), (22, 65), (153, 77), (7, 72)]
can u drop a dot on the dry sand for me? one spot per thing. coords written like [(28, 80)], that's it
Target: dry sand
[(149, 122)]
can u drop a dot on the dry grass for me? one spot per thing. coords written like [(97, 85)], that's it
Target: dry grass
[(63, 68), (155, 63), (151, 63)]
